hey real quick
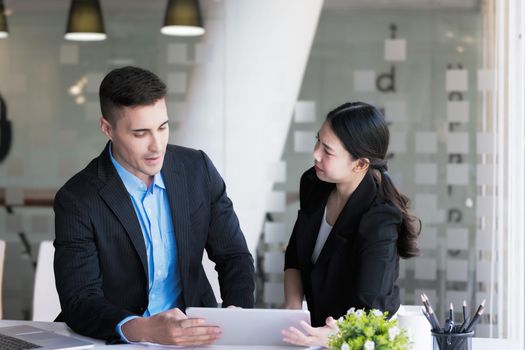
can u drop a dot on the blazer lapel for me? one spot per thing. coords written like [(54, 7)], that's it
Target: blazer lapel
[(308, 230), (116, 196), (175, 180), (348, 221)]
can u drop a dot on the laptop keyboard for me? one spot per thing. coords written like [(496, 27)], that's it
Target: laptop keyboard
[(10, 343)]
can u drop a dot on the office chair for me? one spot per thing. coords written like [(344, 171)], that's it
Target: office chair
[(46, 305)]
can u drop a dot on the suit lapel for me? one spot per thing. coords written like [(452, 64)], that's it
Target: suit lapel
[(116, 196), (175, 179), (348, 221)]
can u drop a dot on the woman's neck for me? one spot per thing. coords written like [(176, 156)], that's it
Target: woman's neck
[(344, 190)]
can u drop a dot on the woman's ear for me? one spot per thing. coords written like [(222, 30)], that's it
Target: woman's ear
[(362, 165)]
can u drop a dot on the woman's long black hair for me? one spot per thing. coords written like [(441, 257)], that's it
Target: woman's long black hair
[(363, 131)]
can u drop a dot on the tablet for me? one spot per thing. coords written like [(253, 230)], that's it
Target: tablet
[(250, 326)]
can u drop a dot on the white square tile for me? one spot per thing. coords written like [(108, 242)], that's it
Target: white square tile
[(484, 174), (458, 111), (305, 112), (457, 270), (484, 205), (395, 50), (484, 143), (485, 80), (484, 240), (273, 262), (457, 238), (276, 202), (457, 174), (304, 141), (456, 80), (274, 232), (458, 142)]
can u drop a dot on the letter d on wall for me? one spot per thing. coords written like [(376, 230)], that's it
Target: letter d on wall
[(5, 131)]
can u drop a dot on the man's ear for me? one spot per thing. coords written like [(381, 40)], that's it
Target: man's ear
[(106, 127), (362, 165)]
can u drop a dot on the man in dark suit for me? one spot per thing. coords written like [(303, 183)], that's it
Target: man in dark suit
[(131, 228)]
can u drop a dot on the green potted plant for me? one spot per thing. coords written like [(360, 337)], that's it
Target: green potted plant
[(371, 330)]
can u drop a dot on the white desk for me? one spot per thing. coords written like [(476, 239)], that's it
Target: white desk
[(58, 327)]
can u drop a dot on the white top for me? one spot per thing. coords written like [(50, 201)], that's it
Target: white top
[(324, 231)]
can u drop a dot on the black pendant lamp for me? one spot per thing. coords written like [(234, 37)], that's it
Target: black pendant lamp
[(3, 21), (183, 18), (85, 21)]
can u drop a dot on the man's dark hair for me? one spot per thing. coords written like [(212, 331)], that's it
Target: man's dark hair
[(128, 86)]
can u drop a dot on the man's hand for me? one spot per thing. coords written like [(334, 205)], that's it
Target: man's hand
[(313, 337), (171, 327)]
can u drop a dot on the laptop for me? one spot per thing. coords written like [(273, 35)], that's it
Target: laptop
[(29, 337), (250, 326)]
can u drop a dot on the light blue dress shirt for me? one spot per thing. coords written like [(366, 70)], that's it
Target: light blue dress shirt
[(153, 212)]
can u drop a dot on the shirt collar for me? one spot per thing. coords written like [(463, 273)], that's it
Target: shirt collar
[(132, 183)]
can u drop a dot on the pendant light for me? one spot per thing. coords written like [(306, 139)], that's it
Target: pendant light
[(85, 21), (3, 21), (183, 18)]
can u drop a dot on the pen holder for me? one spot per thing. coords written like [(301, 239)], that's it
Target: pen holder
[(452, 341)]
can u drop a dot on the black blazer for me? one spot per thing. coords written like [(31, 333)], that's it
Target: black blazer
[(358, 265), (100, 256)]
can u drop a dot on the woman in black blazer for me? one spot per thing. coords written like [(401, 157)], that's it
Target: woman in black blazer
[(352, 226)]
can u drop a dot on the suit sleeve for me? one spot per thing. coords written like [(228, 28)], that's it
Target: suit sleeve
[(77, 273), (226, 245), (378, 258)]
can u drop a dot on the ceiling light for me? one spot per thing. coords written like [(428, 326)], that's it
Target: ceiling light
[(85, 21), (183, 18)]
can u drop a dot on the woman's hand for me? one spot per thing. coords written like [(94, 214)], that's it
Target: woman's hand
[(312, 336)]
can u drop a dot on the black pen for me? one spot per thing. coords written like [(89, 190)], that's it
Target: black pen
[(464, 325), (427, 316), (464, 310), (475, 319), (451, 313), (431, 312), (425, 302)]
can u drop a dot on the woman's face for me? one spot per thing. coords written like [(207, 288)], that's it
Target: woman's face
[(332, 161)]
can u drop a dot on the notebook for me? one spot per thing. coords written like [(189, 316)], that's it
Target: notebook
[(40, 338), (250, 326)]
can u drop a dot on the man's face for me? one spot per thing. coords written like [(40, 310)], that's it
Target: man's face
[(139, 138)]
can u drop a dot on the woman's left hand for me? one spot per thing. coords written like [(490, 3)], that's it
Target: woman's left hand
[(312, 336)]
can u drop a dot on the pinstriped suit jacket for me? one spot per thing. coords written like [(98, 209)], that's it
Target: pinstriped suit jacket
[(100, 255)]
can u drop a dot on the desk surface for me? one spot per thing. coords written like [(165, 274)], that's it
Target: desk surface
[(477, 343)]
